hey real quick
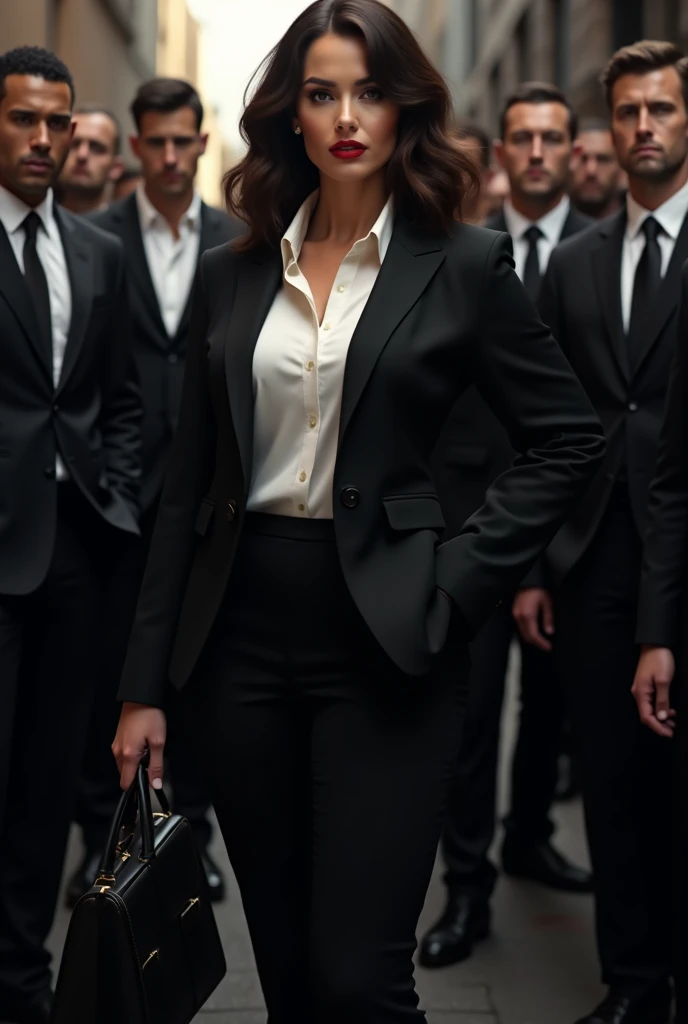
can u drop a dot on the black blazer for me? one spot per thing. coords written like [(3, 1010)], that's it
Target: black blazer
[(581, 302), (159, 358), (665, 571), (474, 448), (446, 311), (93, 417)]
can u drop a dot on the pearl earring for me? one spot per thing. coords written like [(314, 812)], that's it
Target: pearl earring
[(297, 131)]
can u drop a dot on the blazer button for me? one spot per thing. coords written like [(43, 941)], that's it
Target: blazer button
[(632, 406), (231, 509), (49, 471), (350, 497)]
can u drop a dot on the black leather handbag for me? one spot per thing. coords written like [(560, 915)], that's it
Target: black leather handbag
[(142, 945)]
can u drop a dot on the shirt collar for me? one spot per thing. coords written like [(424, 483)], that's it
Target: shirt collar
[(294, 236), (13, 211), (150, 217), (551, 225), (670, 215)]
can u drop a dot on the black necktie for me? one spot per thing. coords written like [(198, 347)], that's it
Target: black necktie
[(37, 282), (531, 271), (648, 277)]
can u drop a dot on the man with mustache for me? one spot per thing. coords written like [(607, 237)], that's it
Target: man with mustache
[(611, 297), (94, 162), (70, 439), (597, 181)]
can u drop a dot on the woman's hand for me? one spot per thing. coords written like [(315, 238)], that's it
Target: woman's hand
[(141, 727), (533, 609)]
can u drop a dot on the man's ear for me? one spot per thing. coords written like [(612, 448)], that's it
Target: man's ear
[(116, 169), (498, 149)]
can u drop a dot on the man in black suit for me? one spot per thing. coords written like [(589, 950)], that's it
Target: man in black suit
[(538, 139), (662, 628), (70, 436), (165, 227), (611, 297)]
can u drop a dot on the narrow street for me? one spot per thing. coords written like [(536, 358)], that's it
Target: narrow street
[(537, 968)]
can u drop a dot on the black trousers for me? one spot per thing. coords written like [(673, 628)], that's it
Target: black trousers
[(470, 826), (48, 650), (328, 770), (99, 790), (625, 768)]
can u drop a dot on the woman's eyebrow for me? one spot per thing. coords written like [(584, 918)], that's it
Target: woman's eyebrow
[(333, 85)]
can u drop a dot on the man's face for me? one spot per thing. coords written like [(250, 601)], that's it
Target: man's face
[(92, 160), (168, 147), (650, 124), (595, 171), (536, 150), (35, 134)]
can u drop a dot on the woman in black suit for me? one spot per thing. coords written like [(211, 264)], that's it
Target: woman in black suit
[(298, 603)]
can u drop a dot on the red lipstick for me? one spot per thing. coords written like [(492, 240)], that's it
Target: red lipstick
[(348, 149)]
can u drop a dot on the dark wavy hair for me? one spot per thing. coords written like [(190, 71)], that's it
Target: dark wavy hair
[(427, 175)]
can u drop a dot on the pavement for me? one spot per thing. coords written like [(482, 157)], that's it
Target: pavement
[(538, 967)]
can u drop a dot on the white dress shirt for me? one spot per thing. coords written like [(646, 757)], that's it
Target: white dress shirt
[(13, 212), (551, 225), (670, 216), (171, 261), (298, 374)]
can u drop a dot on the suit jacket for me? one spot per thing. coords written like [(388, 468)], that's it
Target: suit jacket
[(581, 301), (474, 447), (665, 570), (446, 311), (160, 359), (92, 418)]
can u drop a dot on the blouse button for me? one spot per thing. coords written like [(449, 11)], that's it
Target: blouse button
[(302, 508), (342, 288), (313, 421), (302, 476), (309, 366), (327, 327)]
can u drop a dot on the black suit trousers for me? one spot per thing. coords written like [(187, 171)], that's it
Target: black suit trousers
[(625, 767), (328, 769), (99, 791), (470, 826), (48, 650)]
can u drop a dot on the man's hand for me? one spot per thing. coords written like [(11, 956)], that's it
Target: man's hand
[(653, 679), (533, 609)]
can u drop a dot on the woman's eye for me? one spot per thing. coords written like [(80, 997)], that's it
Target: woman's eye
[(372, 94), (320, 96)]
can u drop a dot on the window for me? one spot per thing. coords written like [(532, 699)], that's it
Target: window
[(561, 24), (627, 22)]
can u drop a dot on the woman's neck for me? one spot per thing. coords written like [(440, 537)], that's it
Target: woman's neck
[(347, 212)]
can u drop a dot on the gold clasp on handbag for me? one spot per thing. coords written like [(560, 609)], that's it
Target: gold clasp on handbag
[(153, 956), (105, 880), (190, 904)]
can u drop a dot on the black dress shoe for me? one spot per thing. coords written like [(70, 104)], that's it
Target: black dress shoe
[(83, 878), (653, 1008), (540, 862), (463, 923), (216, 881), (37, 1011)]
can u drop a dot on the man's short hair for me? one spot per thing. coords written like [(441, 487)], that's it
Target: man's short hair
[(538, 92), (165, 95), (95, 108), (34, 61), (642, 58), (479, 135), (594, 124)]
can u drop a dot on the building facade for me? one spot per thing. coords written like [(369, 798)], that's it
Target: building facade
[(486, 47), (108, 45)]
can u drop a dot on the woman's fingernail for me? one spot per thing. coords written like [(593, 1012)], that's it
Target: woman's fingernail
[(157, 783), (662, 716)]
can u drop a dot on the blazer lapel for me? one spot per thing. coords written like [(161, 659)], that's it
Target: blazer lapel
[(79, 257), (668, 295), (138, 262), (258, 282), (409, 265), (606, 259), (16, 294), (213, 233)]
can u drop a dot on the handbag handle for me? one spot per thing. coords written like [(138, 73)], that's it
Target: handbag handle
[(137, 796)]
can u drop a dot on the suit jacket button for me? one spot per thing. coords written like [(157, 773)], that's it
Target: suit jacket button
[(231, 509), (49, 471), (350, 497)]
